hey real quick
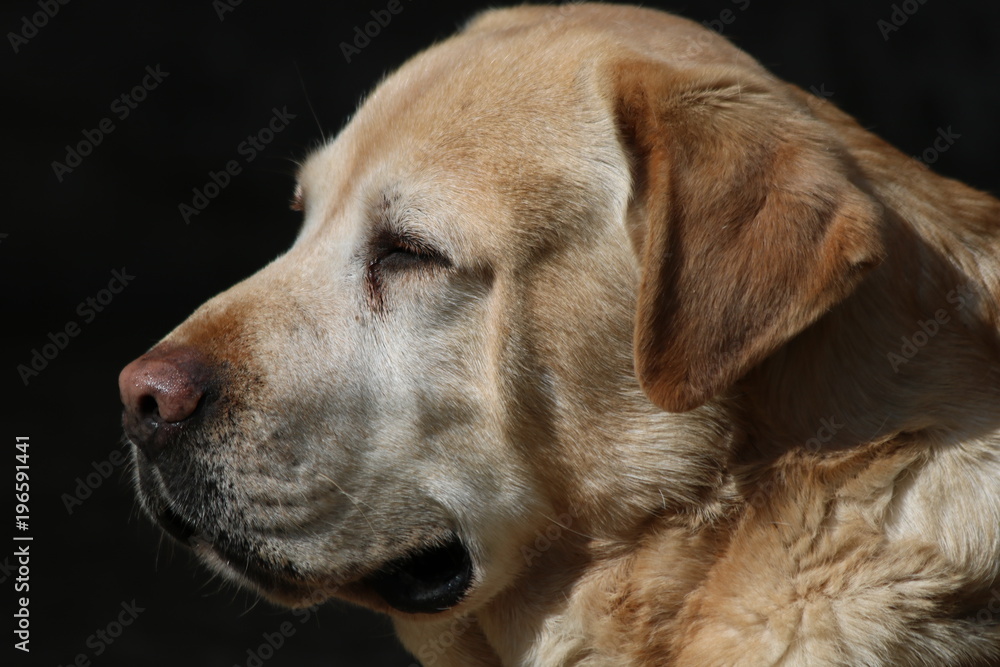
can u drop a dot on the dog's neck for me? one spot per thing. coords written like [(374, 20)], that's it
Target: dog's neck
[(912, 354)]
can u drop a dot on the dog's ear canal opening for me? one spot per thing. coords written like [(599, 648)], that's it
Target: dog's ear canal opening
[(745, 220)]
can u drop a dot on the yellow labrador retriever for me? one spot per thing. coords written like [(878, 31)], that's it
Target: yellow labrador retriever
[(602, 346)]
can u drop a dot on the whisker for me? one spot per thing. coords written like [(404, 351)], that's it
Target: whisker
[(357, 503)]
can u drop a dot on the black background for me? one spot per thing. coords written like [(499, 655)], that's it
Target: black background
[(119, 208)]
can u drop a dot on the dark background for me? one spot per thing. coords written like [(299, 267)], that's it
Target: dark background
[(61, 240)]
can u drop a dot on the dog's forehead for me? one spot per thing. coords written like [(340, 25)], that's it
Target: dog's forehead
[(474, 103), (471, 123), (508, 113)]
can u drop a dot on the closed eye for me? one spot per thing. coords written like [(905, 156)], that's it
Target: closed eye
[(393, 253), (404, 251)]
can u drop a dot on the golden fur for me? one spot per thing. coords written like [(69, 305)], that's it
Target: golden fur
[(711, 376)]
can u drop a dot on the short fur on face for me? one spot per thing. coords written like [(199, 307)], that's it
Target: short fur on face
[(697, 370)]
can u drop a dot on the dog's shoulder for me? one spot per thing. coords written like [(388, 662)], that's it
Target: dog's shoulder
[(806, 574)]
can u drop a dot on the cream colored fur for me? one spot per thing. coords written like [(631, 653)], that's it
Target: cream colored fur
[(636, 216)]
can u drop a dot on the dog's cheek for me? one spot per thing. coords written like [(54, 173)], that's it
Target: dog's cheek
[(442, 429)]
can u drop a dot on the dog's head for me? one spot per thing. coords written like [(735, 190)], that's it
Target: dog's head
[(532, 244)]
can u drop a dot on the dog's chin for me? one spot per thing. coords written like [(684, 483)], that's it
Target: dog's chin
[(428, 579), (431, 573)]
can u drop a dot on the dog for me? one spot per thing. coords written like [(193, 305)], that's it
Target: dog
[(601, 345)]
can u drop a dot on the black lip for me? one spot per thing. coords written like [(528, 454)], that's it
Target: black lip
[(237, 553), (427, 581), (153, 497), (154, 436), (176, 527)]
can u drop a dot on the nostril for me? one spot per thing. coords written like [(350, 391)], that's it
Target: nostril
[(148, 408), (164, 387)]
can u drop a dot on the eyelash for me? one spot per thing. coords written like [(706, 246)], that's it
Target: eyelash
[(408, 247), (399, 252)]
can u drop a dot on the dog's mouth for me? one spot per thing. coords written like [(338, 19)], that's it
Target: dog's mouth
[(175, 526), (426, 581)]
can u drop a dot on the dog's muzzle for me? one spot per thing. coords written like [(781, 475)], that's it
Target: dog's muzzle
[(171, 400)]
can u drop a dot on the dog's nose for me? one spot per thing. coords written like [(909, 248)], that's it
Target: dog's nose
[(160, 390)]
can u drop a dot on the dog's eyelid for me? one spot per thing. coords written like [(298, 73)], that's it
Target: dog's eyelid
[(398, 252), (390, 241)]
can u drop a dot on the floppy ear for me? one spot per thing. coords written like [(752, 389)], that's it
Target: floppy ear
[(745, 220)]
